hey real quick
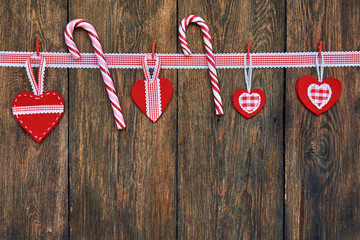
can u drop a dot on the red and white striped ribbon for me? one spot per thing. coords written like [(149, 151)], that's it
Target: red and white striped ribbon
[(120, 123), (38, 109), (152, 89), (180, 61), (37, 86), (209, 55)]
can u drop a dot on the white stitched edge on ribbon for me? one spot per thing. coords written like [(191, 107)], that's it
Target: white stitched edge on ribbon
[(147, 97), (353, 63), (31, 76), (159, 94)]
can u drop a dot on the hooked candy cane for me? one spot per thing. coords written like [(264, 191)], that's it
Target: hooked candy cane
[(209, 55), (119, 119)]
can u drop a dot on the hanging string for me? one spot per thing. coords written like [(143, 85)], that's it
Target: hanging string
[(320, 67), (248, 74)]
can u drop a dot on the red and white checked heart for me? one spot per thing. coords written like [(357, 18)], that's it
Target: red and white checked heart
[(38, 113), (249, 102), (319, 95)]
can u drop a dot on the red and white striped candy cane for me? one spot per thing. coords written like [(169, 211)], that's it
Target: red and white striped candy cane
[(209, 55), (120, 123)]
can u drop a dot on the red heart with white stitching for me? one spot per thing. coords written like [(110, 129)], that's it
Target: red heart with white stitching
[(152, 97), (38, 115), (317, 96), (248, 104)]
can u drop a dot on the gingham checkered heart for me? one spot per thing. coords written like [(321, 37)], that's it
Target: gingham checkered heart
[(317, 96), (248, 104)]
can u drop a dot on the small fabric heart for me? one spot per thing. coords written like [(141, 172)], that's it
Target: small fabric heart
[(317, 96), (247, 103), (152, 98), (40, 112), (38, 115), (153, 94)]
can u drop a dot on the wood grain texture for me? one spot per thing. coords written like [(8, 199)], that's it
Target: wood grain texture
[(122, 182), (230, 170), (322, 153), (33, 177), (191, 175)]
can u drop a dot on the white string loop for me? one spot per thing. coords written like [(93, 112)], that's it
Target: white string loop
[(248, 74), (320, 67)]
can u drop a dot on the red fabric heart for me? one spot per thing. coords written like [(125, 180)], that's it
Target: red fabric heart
[(38, 115), (139, 96), (317, 96), (248, 104)]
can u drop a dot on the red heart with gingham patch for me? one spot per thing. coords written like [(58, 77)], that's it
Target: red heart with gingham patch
[(248, 104), (152, 97), (38, 115), (317, 96)]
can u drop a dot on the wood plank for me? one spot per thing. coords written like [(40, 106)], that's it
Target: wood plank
[(122, 182), (230, 170), (322, 153), (33, 177)]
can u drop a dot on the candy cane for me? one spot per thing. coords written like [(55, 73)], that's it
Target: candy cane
[(120, 123), (209, 55)]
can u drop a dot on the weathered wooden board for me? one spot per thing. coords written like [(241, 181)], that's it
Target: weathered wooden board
[(230, 170), (122, 182), (33, 177), (322, 153), (285, 173)]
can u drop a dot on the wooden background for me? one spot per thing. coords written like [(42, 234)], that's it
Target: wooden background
[(284, 174)]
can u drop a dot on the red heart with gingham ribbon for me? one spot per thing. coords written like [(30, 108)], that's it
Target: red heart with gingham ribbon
[(153, 94), (317, 96), (247, 103), (152, 98), (38, 115), (40, 112)]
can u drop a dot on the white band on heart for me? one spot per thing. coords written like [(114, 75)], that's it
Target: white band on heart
[(38, 109)]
